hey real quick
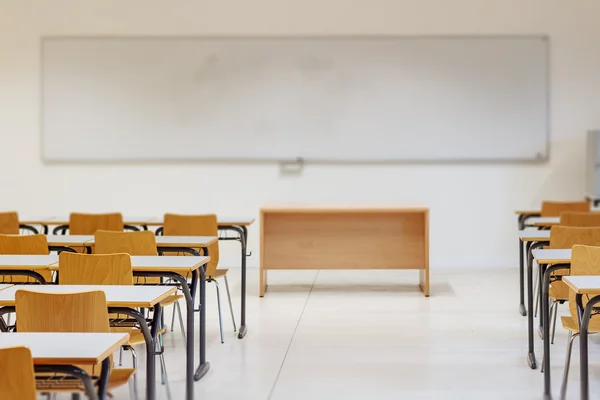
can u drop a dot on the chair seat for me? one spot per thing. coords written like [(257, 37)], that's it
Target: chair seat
[(118, 377), (572, 325), (219, 273), (137, 337), (171, 299)]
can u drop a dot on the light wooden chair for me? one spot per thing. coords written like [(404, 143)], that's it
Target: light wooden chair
[(88, 224), (17, 379), (555, 208), (72, 312), (565, 237), (22, 245), (203, 225), (141, 243), (107, 269), (582, 219), (585, 260)]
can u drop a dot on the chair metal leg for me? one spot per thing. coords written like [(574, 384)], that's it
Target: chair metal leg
[(181, 324), (563, 388), (219, 306), (163, 368), (230, 305), (555, 305), (173, 317), (121, 356), (8, 318), (134, 362)]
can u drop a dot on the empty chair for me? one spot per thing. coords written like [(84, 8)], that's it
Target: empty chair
[(106, 269), (137, 244), (88, 224), (582, 219), (17, 379), (564, 237), (72, 312), (585, 260), (202, 225), (22, 245), (555, 208)]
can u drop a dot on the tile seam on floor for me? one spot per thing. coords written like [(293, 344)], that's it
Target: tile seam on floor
[(292, 338)]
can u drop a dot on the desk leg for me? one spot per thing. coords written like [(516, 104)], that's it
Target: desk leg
[(103, 381), (150, 339), (522, 310), (583, 345), (244, 243), (531, 352), (204, 365), (73, 371)]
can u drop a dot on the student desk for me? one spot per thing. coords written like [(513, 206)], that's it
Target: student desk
[(120, 300), (584, 285), (344, 237), (178, 269), (558, 259), (26, 265), (522, 217), (238, 225), (63, 352), (532, 239)]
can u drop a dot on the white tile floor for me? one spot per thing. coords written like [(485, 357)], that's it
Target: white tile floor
[(358, 334)]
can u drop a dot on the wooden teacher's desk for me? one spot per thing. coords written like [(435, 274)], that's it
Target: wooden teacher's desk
[(344, 237)]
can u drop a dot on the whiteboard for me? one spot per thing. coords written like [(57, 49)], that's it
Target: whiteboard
[(348, 99)]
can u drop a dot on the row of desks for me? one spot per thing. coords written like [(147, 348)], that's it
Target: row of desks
[(531, 243), (126, 299)]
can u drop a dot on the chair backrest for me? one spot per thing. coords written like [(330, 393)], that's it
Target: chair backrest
[(555, 208), (585, 260), (565, 237), (24, 244), (576, 218), (61, 312), (17, 379), (141, 243), (9, 223), (195, 225), (94, 269), (88, 224)]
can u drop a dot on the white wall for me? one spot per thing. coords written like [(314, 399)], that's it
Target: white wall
[(465, 200)]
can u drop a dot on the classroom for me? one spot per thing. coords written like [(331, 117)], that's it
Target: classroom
[(281, 200)]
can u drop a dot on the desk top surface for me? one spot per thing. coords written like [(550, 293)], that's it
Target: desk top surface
[(185, 241), (552, 256), (66, 348), (162, 263), (342, 208), (543, 221), (528, 212), (136, 220), (5, 285), (116, 295), (582, 284), (26, 261), (534, 235), (68, 240)]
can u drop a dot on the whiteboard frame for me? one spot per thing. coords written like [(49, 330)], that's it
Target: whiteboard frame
[(301, 161)]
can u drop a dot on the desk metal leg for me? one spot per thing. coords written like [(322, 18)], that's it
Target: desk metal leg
[(583, 345), (150, 339), (204, 365), (73, 371), (103, 381), (522, 309), (531, 352)]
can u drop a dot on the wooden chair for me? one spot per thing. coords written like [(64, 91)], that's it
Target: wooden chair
[(585, 260), (106, 269), (202, 225), (17, 379), (564, 237), (582, 219), (555, 208), (88, 224), (72, 312), (141, 243), (22, 245), (9, 223)]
